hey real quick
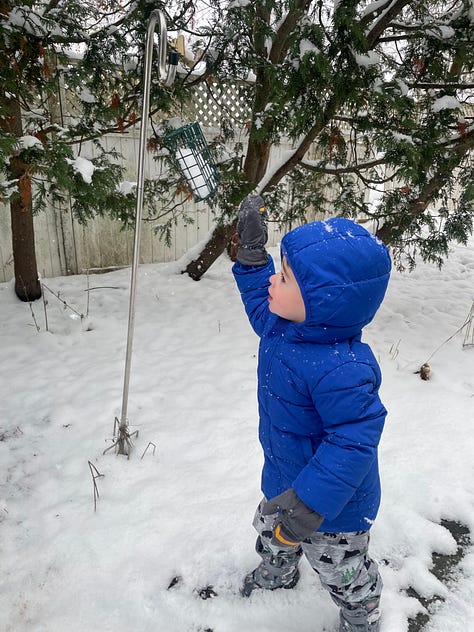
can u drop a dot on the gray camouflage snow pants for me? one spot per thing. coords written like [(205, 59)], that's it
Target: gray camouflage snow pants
[(340, 559)]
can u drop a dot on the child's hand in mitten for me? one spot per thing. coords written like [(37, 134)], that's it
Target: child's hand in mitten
[(295, 521), (252, 231)]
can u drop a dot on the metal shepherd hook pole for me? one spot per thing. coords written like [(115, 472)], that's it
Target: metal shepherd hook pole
[(123, 443)]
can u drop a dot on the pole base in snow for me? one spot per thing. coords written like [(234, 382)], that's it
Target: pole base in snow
[(123, 442)]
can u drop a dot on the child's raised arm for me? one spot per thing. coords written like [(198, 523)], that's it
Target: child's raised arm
[(254, 266)]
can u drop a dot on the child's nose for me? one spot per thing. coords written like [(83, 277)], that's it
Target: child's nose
[(272, 278)]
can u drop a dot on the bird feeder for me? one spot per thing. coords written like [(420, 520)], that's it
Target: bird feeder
[(193, 157)]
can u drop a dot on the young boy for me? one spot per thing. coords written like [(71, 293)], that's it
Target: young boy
[(320, 414)]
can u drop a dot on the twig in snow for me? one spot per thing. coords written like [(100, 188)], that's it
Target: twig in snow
[(469, 335), (149, 444), (34, 317), (394, 350), (45, 303), (104, 287), (95, 475), (88, 294), (468, 321), (65, 304)]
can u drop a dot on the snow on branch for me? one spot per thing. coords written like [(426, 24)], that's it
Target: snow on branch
[(268, 179), (390, 11), (324, 167)]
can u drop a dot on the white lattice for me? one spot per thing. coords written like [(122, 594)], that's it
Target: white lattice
[(212, 103)]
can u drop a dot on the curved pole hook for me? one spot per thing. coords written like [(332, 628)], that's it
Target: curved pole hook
[(167, 76)]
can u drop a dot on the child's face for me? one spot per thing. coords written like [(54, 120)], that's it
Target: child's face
[(285, 298)]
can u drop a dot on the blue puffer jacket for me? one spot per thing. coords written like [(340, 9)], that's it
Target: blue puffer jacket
[(320, 413)]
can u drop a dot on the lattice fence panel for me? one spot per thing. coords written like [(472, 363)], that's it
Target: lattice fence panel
[(213, 103)]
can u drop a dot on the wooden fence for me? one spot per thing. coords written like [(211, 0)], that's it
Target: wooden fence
[(63, 246)]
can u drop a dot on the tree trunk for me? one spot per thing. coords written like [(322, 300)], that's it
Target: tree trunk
[(213, 248), (27, 285)]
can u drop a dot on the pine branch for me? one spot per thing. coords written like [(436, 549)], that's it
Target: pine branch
[(166, 211), (433, 186), (296, 156)]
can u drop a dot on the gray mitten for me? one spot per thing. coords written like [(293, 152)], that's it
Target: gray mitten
[(295, 520), (252, 231)]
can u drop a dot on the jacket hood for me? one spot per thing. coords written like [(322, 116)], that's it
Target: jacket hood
[(342, 271)]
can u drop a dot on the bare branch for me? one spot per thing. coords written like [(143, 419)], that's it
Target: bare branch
[(423, 85), (281, 42), (394, 9), (322, 167)]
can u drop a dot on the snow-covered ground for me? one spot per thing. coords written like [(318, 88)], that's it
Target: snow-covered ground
[(187, 508)]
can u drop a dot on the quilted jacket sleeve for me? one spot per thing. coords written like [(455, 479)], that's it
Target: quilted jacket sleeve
[(353, 418), (253, 286)]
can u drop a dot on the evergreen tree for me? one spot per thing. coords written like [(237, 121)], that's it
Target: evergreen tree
[(380, 92), (378, 95), (91, 51)]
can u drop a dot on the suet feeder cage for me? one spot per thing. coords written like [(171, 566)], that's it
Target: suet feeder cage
[(194, 159)]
